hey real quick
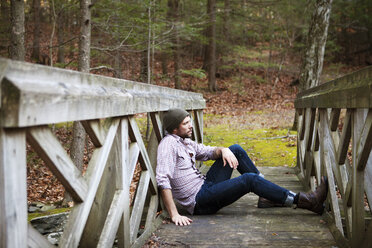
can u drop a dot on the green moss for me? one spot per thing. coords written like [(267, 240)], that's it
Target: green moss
[(266, 147), (49, 212)]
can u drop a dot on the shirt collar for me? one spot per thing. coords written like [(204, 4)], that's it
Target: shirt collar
[(185, 141)]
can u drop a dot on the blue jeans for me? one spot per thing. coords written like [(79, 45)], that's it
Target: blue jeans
[(220, 190)]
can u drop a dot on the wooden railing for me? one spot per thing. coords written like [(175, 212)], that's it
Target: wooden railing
[(335, 139), (32, 98)]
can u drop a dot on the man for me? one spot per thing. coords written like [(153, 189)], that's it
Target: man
[(178, 178)]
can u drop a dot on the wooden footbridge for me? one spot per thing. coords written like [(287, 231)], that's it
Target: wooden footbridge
[(334, 139)]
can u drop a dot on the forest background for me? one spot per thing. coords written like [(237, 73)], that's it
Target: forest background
[(244, 56)]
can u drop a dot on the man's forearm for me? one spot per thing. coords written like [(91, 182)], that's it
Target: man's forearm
[(218, 152), (168, 202)]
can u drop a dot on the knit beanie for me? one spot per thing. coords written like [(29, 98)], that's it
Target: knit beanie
[(173, 118)]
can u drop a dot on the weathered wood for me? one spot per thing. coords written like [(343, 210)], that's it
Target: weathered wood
[(345, 138), (335, 116), (73, 96), (350, 91), (13, 194), (242, 224), (104, 197), (365, 143), (127, 169), (95, 131), (199, 124), (133, 159), (59, 162), (358, 223), (101, 196), (113, 219), (195, 132), (135, 135), (329, 158), (157, 125), (79, 214), (139, 203), (36, 240)]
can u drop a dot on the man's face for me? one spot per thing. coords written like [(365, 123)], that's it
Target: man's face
[(184, 130)]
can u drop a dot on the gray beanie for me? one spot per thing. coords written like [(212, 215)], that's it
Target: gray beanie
[(173, 118)]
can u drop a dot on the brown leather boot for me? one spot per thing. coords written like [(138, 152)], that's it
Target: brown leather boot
[(265, 203), (313, 201)]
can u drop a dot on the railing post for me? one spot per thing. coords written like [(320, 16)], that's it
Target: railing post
[(13, 188)]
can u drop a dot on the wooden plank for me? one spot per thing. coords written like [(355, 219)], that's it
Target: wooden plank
[(13, 194), (195, 134), (123, 153), (133, 158), (59, 162), (358, 223), (157, 125), (127, 170), (329, 161), (36, 240), (135, 135), (368, 181), (365, 143), (79, 214), (345, 138), (302, 125), (152, 210), (335, 116), (199, 123), (104, 195), (95, 131), (104, 97), (310, 128), (139, 203), (350, 91), (367, 242), (113, 219)]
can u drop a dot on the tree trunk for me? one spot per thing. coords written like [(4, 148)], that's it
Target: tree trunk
[(143, 73), (17, 36), (176, 53), (36, 41), (173, 16), (4, 27), (316, 42), (79, 135), (117, 65), (226, 20), (211, 51), (60, 36)]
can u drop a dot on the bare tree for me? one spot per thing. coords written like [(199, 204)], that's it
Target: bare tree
[(79, 135), (316, 42), (173, 16), (17, 35), (36, 39), (211, 51)]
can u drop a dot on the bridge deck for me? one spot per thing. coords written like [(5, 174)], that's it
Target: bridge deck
[(244, 225)]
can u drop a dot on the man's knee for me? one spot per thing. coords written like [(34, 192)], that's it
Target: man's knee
[(250, 180), (236, 148)]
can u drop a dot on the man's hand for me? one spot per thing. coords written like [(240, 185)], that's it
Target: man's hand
[(229, 157), (180, 220)]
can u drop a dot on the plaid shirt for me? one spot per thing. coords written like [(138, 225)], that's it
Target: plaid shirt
[(176, 168)]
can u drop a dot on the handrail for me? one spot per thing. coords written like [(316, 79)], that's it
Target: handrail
[(335, 139), (33, 97)]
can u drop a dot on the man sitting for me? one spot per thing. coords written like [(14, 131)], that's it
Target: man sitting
[(178, 177)]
